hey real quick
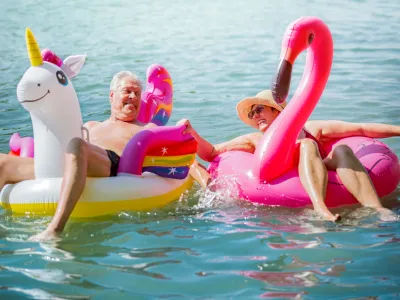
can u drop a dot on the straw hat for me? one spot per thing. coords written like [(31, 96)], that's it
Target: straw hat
[(264, 98)]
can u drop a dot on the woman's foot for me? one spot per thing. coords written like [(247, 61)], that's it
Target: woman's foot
[(387, 215), (327, 215)]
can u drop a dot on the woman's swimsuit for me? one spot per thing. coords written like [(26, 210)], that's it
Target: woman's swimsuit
[(320, 148)]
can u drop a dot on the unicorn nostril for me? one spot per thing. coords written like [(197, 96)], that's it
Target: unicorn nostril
[(38, 84)]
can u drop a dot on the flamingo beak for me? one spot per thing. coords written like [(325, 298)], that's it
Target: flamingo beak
[(281, 83)]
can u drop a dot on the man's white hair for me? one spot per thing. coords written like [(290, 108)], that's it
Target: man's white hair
[(115, 82)]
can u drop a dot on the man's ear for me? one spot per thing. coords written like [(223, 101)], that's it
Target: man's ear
[(111, 96)]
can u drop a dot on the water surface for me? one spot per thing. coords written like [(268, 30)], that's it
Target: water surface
[(206, 245)]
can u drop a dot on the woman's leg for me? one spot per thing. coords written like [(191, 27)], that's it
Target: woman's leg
[(200, 174), (314, 177), (356, 180)]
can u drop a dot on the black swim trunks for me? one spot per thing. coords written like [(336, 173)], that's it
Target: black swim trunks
[(114, 158)]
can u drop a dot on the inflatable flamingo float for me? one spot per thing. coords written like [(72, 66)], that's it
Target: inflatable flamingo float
[(269, 176), (47, 93)]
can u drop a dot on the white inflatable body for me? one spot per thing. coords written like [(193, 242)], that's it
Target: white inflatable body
[(101, 196)]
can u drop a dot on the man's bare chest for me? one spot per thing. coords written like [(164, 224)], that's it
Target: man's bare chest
[(115, 130)]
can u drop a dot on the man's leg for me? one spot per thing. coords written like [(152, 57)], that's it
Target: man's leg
[(356, 180), (81, 160), (14, 169), (314, 177)]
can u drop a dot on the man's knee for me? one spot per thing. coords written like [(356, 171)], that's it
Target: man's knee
[(342, 151), (77, 146)]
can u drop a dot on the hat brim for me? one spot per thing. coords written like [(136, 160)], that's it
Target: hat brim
[(244, 106)]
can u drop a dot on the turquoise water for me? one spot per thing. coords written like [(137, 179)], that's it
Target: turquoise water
[(205, 245)]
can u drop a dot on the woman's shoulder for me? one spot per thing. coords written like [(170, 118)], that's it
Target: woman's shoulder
[(253, 137)]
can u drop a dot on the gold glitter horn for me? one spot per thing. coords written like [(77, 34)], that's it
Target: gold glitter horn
[(33, 49)]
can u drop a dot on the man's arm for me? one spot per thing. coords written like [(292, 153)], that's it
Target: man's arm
[(86, 129), (150, 125), (332, 129)]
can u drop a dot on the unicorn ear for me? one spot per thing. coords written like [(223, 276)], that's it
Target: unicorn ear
[(73, 65)]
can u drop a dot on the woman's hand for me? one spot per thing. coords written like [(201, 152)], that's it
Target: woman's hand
[(204, 149), (189, 129)]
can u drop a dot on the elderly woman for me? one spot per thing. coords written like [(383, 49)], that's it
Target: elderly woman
[(260, 111)]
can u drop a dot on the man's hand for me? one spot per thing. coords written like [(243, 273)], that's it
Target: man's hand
[(150, 125), (189, 128)]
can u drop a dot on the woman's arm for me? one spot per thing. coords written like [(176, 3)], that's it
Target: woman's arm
[(208, 151), (242, 143), (332, 129)]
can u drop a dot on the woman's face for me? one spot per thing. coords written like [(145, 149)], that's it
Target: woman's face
[(262, 116)]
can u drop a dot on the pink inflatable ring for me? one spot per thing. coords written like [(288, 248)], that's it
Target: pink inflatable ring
[(270, 176)]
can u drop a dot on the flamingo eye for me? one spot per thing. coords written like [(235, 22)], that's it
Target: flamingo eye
[(62, 78), (310, 38)]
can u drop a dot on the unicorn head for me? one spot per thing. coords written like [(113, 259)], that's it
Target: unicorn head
[(47, 93), (44, 85), (71, 65)]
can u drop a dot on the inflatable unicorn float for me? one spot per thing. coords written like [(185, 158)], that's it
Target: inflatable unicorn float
[(154, 166), (24, 146), (269, 176)]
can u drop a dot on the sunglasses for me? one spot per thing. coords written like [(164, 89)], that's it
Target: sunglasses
[(258, 110)]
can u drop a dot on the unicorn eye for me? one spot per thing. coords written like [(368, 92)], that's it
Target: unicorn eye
[(62, 78)]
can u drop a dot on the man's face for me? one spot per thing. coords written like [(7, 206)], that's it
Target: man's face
[(125, 99)]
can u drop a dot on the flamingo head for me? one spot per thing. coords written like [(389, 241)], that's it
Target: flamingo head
[(301, 34)]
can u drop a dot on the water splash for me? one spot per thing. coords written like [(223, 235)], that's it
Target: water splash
[(221, 192)]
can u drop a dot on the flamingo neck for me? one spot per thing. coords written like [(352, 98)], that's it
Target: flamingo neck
[(276, 152)]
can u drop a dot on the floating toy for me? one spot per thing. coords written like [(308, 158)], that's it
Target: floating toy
[(270, 176), (47, 93)]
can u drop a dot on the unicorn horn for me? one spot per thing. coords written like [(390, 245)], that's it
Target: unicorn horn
[(33, 49)]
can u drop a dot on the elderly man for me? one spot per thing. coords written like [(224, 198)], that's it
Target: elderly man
[(97, 158)]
